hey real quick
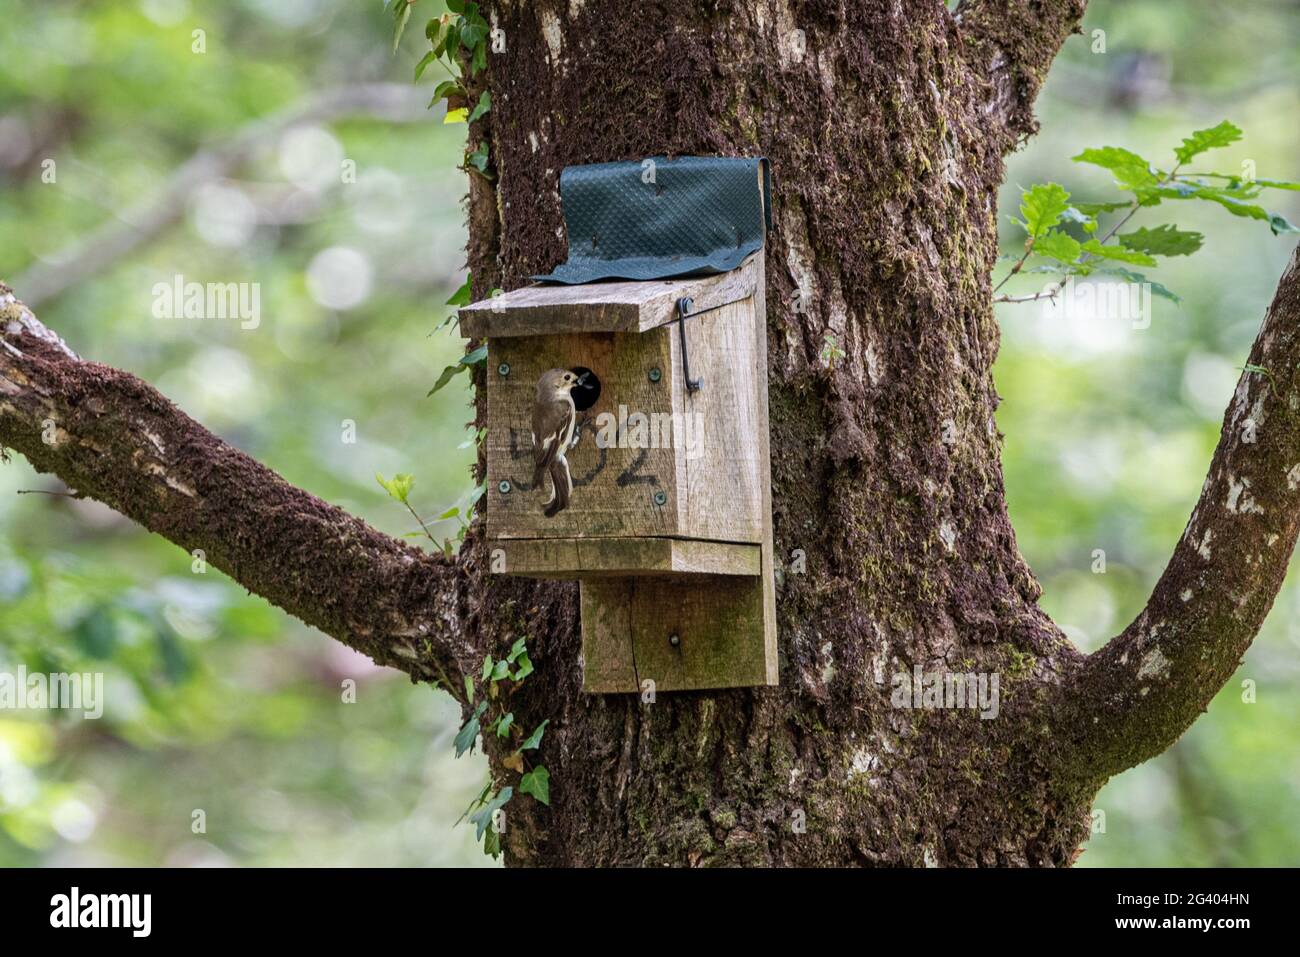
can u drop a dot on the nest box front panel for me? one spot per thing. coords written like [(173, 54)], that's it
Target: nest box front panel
[(618, 490)]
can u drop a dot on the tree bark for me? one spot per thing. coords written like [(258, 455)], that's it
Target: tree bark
[(886, 125)]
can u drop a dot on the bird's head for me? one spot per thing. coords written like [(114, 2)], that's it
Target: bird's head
[(557, 382)]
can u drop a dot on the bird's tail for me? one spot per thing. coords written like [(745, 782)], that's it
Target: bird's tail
[(562, 481)]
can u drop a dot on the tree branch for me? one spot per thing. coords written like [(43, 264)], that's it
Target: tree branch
[(1013, 42), (114, 438), (1133, 698), (391, 102)]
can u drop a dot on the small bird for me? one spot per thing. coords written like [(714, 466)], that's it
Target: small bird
[(554, 421)]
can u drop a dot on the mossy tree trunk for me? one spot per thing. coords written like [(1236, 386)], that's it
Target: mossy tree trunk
[(886, 125), (886, 136)]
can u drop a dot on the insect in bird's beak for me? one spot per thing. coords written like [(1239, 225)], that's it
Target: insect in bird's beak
[(581, 379)]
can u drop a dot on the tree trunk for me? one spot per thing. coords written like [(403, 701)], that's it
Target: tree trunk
[(885, 463), (886, 125)]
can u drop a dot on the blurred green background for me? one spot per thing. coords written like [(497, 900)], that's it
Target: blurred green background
[(352, 226)]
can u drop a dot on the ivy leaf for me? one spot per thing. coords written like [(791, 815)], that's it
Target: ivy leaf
[(504, 723), (403, 11), (461, 297), (534, 740), (492, 843), (525, 668), (479, 158), (440, 33), (447, 374), (537, 782), (1280, 224), (1130, 170), (1215, 137), (456, 116), (473, 32), (515, 762), (469, 688), (482, 796), (469, 731), (482, 818), (399, 487), (423, 65), (516, 650), (481, 108), (1167, 240), (1118, 253), (444, 91), (467, 360), (1058, 245), (1042, 206)]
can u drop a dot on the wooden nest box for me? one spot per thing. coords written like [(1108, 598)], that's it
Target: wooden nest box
[(669, 524)]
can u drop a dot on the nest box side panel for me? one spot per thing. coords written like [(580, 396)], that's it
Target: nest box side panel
[(617, 491), (722, 463)]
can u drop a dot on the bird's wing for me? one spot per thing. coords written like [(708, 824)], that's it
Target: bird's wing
[(552, 423)]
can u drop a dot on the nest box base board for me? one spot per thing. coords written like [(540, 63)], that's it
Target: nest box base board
[(570, 558)]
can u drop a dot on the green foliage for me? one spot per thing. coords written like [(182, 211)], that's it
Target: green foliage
[(1225, 134), (1042, 207), (484, 104), (500, 677), (1166, 240), (468, 732), (469, 360), (537, 782), (1131, 171), (399, 487), (1049, 215), (482, 818), (534, 740), (458, 40), (461, 297), (1058, 245), (831, 351)]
